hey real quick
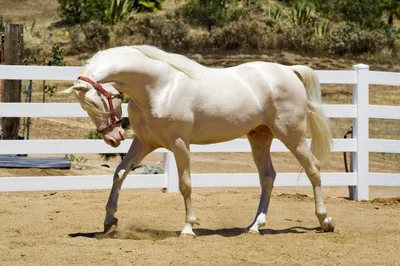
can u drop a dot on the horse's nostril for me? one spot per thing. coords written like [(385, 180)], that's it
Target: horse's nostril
[(112, 142)]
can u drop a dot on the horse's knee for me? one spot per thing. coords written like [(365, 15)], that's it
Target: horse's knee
[(119, 176), (111, 208), (268, 177), (185, 187), (268, 174), (314, 175)]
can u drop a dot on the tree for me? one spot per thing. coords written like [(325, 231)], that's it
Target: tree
[(367, 13), (82, 11), (208, 13), (392, 8)]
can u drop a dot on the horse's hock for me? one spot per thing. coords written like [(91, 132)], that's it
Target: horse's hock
[(11, 47)]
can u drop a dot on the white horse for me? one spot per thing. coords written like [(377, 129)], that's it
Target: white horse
[(175, 102)]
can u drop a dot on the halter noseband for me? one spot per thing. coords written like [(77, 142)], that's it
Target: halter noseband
[(109, 97)]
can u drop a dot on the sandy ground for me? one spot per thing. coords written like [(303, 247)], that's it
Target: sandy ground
[(57, 228)]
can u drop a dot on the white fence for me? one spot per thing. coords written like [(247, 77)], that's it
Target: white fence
[(360, 111)]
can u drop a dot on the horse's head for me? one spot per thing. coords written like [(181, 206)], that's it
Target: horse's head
[(102, 102)]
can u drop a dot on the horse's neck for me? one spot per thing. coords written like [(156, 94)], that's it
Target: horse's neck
[(141, 87), (136, 75)]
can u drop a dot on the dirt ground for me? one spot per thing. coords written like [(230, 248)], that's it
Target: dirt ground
[(57, 228)]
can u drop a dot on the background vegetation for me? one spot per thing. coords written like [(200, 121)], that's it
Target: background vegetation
[(313, 27), (339, 27)]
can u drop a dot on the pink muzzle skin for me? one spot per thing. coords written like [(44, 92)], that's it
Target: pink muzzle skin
[(114, 136)]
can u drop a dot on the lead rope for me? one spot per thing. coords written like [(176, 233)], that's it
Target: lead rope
[(344, 153)]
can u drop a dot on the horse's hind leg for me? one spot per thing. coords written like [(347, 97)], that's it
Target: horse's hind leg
[(260, 140), (135, 155), (297, 144)]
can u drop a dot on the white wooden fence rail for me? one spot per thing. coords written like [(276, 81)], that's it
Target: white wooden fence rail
[(360, 146)]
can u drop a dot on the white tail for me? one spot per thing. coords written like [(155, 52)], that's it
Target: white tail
[(317, 121)]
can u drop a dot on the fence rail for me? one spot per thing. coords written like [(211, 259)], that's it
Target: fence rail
[(360, 146)]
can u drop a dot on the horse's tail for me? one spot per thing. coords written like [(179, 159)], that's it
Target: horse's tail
[(317, 121)]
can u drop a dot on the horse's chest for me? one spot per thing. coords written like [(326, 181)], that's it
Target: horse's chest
[(147, 126)]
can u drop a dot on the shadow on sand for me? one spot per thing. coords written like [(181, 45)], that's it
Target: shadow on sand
[(152, 234)]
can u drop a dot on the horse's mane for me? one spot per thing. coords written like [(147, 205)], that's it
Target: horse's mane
[(177, 61)]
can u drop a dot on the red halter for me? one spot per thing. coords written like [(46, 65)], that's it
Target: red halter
[(109, 97)]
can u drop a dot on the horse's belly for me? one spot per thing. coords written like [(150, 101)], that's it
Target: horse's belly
[(220, 131)]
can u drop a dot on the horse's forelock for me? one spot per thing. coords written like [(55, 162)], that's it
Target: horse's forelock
[(87, 101)]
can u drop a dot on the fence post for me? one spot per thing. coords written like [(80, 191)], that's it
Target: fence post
[(361, 131), (10, 91), (171, 171)]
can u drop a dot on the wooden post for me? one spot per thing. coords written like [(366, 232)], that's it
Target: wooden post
[(13, 47)]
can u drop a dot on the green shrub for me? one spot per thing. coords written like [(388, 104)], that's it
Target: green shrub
[(206, 13), (117, 10), (301, 13), (275, 12), (147, 5), (57, 56), (82, 11), (168, 32), (392, 34), (367, 13), (76, 41), (172, 34), (199, 41), (299, 38), (255, 31), (321, 28), (97, 35), (32, 55), (349, 37), (241, 34), (240, 10), (105, 11)]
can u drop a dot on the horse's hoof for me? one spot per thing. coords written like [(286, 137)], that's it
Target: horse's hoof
[(188, 235), (254, 232), (109, 229), (328, 225)]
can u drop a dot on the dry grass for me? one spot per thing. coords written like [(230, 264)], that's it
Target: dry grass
[(23, 11)]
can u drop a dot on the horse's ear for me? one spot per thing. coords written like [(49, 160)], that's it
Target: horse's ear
[(70, 90)]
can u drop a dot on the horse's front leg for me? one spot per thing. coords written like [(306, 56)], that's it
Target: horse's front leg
[(135, 155), (182, 156)]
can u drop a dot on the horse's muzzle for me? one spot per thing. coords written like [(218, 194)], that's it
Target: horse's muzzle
[(114, 136)]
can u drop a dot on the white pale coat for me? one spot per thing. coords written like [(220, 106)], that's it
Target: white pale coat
[(175, 102)]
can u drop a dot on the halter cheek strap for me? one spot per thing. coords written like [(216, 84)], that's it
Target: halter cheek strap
[(114, 121)]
